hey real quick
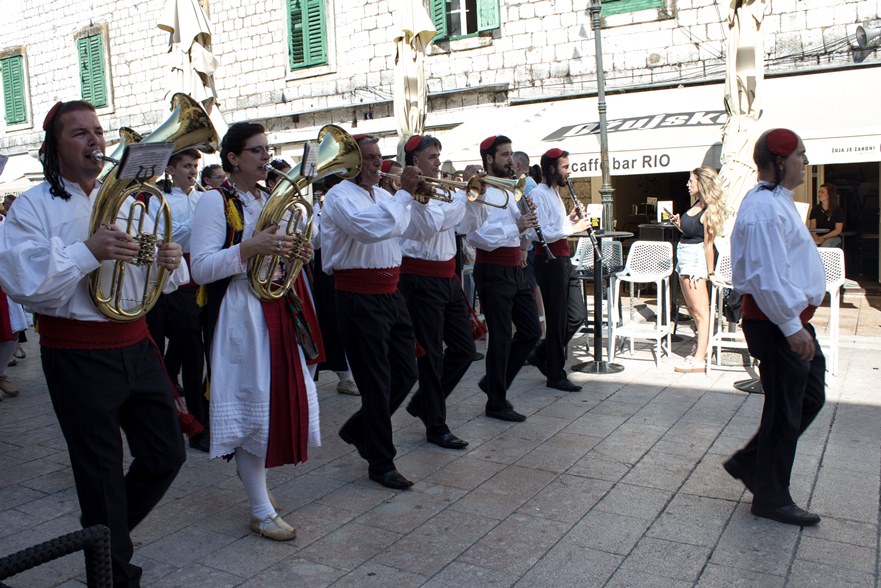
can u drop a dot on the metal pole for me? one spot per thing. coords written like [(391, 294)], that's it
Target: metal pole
[(606, 190)]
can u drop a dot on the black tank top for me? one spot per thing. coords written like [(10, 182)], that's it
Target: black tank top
[(692, 229)]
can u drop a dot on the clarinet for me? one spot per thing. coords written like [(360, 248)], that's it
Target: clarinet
[(541, 238), (578, 206)]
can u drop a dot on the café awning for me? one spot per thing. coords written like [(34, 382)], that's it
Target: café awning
[(678, 129)]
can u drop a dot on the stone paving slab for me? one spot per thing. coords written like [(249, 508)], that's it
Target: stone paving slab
[(619, 485)]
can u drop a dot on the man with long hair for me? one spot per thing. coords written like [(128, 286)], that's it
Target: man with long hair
[(104, 377), (775, 264)]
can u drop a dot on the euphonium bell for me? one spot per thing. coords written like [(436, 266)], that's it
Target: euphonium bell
[(338, 153), (477, 184), (118, 203)]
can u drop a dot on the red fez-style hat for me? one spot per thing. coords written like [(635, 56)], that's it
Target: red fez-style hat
[(488, 143), (360, 136), (782, 142), (387, 165), (50, 116), (413, 143), (554, 153)]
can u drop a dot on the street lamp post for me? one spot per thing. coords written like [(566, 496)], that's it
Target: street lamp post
[(606, 190)]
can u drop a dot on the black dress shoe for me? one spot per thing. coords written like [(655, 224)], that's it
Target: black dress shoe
[(738, 472), (564, 384), (508, 414), (482, 385), (413, 410), (477, 356), (201, 442), (790, 514), (535, 360), (392, 479), (447, 440), (362, 451)]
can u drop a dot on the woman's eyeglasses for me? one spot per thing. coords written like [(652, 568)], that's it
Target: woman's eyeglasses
[(257, 150)]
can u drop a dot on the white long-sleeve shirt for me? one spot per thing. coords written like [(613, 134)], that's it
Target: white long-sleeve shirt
[(46, 260), (423, 241), (181, 206), (551, 214), (500, 228), (774, 259), (360, 230)]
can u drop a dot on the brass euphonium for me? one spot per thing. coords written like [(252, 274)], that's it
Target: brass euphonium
[(117, 204), (338, 153)]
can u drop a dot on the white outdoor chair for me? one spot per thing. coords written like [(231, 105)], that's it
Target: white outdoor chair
[(722, 333), (833, 265), (647, 262)]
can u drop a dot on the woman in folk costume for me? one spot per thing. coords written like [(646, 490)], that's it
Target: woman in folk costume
[(264, 405)]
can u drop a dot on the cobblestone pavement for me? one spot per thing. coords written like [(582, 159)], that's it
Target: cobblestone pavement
[(618, 485)]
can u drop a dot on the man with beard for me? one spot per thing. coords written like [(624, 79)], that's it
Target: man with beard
[(560, 288), (435, 298), (505, 295), (176, 315)]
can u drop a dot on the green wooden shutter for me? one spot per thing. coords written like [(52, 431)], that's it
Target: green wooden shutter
[(439, 17), (488, 15), (619, 6), (91, 58), (13, 89), (308, 33)]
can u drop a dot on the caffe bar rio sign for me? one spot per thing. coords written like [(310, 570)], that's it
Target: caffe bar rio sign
[(667, 142)]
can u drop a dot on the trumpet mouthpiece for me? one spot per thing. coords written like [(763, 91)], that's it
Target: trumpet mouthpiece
[(97, 155)]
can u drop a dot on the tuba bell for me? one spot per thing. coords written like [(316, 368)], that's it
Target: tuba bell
[(338, 153), (119, 203)]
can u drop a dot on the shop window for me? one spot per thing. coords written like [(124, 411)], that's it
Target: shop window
[(93, 80), (461, 18), (14, 99), (618, 6), (307, 33)]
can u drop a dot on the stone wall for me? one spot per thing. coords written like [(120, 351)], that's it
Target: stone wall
[(544, 48)]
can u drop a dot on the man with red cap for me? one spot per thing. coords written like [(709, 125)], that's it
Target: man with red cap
[(104, 377), (389, 183), (361, 226), (435, 298), (502, 284), (775, 264), (560, 288)]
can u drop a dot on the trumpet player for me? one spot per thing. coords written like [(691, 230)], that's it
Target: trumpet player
[(435, 298), (391, 181), (104, 377), (502, 284), (560, 290), (360, 228)]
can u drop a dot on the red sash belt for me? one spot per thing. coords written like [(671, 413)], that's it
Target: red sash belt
[(5, 323), (368, 281), (61, 333), (192, 283), (431, 269), (752, 311), (500, 256), (560, 248)]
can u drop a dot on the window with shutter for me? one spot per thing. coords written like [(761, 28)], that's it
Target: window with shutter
[(12, 69), (461, 18), (618, 6), (307, 33), (92, 80)]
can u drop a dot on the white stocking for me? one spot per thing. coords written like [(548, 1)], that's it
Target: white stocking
[(252, 470)]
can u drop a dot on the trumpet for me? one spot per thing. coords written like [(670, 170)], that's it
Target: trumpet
[(434, 188), (477, 184)]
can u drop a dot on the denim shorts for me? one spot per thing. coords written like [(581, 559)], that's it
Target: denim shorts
[(691, 260)]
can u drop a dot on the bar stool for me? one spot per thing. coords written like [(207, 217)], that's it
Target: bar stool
[(647, 262), (721, 336), (833, 265), (613, 261)]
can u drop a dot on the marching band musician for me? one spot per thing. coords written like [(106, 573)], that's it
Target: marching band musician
[(560, 290), (502, 285), (264, 405), (360, 227), (435, 298), (103, 376)]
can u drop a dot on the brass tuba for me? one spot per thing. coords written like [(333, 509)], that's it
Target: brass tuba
[(116, 204), (338, 153)]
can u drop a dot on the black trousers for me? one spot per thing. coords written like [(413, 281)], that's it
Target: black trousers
[(378, 337), (564, 311), (505, 297), (176, 317), (95, 393), (794, 394), (324, 294), (440, 316)]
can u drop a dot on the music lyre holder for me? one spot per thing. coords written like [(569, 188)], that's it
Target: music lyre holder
[(598, 366)]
